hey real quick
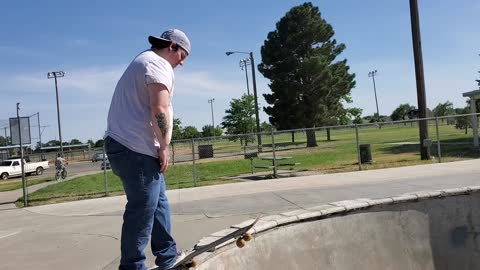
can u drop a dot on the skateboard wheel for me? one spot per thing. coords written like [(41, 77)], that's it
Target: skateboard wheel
[(247, 237), (191, 264), (240, 243)]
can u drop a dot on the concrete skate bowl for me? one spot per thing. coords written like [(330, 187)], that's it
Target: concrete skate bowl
[(427, 230)]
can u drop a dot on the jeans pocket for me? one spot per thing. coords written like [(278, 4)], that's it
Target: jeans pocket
[(114, 148)]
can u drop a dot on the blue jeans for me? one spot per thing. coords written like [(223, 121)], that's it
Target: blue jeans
[(147, 212)]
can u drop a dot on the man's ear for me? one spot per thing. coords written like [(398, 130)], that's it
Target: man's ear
[(173, 45)]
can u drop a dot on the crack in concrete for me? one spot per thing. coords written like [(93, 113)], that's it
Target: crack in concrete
[(285, 199)]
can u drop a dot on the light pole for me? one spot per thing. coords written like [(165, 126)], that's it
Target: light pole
[(252, 63), (54, 75), (243, 65), (372, 74), (213, 120)]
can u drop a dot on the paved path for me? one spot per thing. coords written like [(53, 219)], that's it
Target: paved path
[(85, 234), (75, 169)]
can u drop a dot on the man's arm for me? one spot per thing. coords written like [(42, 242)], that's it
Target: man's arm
[(160, 115)]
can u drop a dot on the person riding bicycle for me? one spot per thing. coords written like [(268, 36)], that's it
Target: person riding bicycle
[(60, 163)]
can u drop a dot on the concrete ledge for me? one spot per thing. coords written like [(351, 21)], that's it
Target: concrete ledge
[(335, 208)]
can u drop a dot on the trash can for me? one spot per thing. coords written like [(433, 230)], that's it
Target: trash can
[(205, 151), (365, 153)]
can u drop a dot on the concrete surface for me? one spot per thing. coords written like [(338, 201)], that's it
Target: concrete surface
[(414, 231), (85, 234)]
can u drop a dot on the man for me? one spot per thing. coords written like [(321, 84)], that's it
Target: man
[(60, 163), (138, 134)]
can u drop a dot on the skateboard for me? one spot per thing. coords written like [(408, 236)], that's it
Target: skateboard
[(241, 236)]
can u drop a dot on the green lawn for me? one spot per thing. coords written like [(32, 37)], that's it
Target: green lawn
[(391, 146), (16, 183)]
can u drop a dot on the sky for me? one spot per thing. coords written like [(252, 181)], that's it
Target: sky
[(94, 41)]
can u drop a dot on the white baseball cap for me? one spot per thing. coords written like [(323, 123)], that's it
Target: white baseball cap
[(172, 35)]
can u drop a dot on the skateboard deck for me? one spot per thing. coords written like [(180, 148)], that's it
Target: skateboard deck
[(241, 235)]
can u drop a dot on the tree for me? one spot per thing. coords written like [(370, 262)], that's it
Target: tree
[(99, 143), (402, 112), (91, 143), (443, 109), (239, 117), (177, 132), (351, 115), (463, 122), (4, 141), (266, 127), (207, 131), (478, 82), (308, 84), (53, 143), (190, 132), (75, 141)]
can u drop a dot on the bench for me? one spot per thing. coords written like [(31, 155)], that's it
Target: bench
[(289, 164), (272, 167), (263, 166)]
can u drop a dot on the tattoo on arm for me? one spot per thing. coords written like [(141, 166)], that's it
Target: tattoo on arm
[(162, 123)]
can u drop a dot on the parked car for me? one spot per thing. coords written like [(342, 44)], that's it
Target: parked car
[(12, 167), (102, 166), (98, 157)]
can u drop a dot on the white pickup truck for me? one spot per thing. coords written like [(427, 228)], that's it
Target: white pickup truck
[(12, 167)]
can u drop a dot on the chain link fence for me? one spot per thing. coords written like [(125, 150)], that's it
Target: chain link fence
[(204, 161), (268, 155)]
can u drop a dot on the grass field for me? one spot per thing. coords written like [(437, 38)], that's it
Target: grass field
[(391, 146), (13, 184)]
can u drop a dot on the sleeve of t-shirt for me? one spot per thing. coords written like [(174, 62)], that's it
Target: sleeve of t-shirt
[(157, 72)]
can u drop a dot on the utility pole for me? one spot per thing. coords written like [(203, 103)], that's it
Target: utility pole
[(243, 65), (54, 75), (257, 118), (419, 75), (213, 120), (372, 74)]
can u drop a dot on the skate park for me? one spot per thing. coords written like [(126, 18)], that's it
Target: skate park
[(425, 212), (354, 140)]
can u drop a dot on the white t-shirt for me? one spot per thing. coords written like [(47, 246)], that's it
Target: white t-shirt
[(129, 119)]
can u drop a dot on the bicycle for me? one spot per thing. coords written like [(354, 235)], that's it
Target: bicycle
[(61, 172)]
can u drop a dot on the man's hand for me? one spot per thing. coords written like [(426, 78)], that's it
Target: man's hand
[(163, 156)]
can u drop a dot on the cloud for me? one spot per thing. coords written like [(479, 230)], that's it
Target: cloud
[(207, 84), (91, 80)]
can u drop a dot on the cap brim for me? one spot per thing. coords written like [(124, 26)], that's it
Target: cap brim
[(155, 40)]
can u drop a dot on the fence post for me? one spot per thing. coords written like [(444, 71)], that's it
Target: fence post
[(358, 148), (194, 166), (105, 170), (173, 153), (439, 150), (274, 157)]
